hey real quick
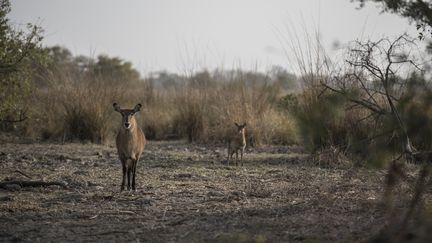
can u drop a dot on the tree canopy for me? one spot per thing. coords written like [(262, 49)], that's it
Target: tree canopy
[(62, 64), (419, 11), (19, 49)]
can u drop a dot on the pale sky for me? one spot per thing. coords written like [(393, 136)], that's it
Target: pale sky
[(180, 35)]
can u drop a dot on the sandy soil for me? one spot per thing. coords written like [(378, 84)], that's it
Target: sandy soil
[(185, 194)]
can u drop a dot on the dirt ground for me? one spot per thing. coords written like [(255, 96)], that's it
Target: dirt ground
[(185, 193)]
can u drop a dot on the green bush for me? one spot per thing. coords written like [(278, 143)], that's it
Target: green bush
[(327, 120)]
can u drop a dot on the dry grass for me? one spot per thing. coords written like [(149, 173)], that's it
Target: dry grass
[(74, 110), (79, 109), (184, 194)]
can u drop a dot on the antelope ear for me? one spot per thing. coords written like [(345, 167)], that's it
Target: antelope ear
[(237, 125), (137, 108), (116, 107), (244, 124)]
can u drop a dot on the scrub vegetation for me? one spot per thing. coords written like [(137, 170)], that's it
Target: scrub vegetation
[(341, 151)]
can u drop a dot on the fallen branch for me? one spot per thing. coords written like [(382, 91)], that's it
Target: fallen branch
[(109, 233), (4, 184)]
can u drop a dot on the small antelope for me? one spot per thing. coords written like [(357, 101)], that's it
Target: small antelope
[(237, 142), (130, 143)]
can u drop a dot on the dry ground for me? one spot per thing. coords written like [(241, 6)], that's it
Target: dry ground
[(185, 194)]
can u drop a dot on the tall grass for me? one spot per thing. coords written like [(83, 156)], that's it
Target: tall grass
[(74, 110), (199, 108)]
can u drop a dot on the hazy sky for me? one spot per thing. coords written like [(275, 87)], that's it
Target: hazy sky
[(179, 35)]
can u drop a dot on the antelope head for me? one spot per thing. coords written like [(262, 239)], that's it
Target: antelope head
[(128, 116)]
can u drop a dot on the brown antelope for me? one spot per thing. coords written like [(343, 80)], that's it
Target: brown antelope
[(130, 143), (237, 142)]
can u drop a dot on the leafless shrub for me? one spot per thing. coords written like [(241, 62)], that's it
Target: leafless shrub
[(374, 83)]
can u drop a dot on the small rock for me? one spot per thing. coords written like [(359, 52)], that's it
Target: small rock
[(89, 183)]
